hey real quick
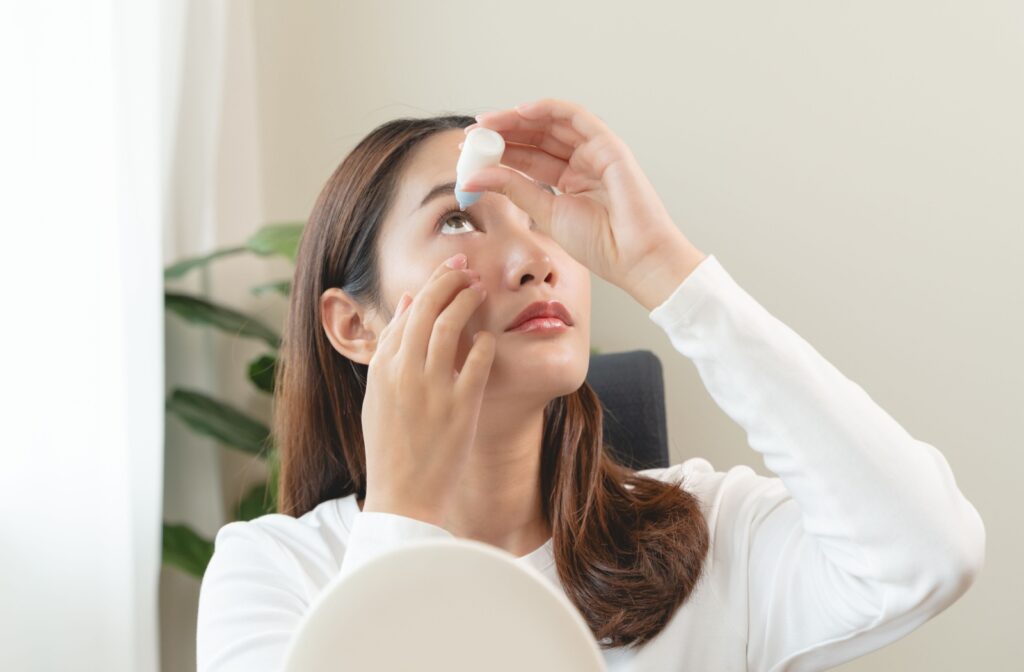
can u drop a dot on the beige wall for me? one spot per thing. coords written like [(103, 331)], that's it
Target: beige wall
[(857, 167)]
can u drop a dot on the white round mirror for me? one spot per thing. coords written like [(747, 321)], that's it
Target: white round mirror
[(444, 604)]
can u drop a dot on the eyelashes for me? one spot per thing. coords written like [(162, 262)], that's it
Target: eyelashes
[(443, 219), (447, 214)]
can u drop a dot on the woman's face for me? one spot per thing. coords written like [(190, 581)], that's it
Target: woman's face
[(517, 263)]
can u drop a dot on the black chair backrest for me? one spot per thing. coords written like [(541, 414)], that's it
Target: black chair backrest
[(632, 393)]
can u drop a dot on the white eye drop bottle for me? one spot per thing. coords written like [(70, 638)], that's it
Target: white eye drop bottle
[(482, 147)]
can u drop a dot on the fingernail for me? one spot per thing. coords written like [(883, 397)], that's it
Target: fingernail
[(457, 261), (471, 184)]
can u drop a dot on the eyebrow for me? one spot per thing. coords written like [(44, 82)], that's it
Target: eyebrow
[(449, 188), (439, 190)]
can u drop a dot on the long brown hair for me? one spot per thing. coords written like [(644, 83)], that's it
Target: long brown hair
[(629, 549)]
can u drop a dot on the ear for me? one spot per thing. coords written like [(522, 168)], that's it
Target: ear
[(351, 328)]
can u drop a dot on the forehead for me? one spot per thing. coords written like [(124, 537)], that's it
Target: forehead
[(431, 163)]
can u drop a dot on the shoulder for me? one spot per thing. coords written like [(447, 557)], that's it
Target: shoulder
[(696, 475), (735, 497), (736, 503), (263, 576), (312, 543)]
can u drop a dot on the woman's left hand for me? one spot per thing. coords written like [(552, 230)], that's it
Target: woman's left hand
[(608, 216)]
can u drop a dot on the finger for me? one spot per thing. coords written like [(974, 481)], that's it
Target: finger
[(539, 139), (512, 122), (472, 379), (588, 124), (548, 113), (521, 190), (447, 333), (535, 162), (397, 323), (400, 306), (439, 291), (601, 147), (391, 335), (590, 155)]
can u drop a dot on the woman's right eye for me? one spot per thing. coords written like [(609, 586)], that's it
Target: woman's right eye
[(453, 215)]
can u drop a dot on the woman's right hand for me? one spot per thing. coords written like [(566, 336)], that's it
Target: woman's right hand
[(419, 414)]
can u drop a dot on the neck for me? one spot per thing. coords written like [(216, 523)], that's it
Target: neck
[(498, 500)]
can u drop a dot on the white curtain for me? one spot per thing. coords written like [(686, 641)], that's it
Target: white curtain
[(108, 132), (81, 476), (193, 57)]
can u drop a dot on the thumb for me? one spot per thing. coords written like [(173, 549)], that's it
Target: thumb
[(527, 195)]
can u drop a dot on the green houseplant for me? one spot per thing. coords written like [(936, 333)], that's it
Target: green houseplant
[(183, 547)]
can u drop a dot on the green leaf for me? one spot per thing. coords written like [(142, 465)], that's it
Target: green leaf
[(219, 421), (257, 502), (280, 239), (282, 287), (201, 311), (180, 268), (261, 372), (185, 549)]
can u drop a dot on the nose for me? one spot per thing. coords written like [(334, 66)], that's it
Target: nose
[(524, 250), (529, 262)]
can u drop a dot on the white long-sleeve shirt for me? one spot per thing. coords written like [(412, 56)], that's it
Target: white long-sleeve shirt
[(861, 538)]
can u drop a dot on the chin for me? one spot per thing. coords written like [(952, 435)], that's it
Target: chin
[(548, 369)]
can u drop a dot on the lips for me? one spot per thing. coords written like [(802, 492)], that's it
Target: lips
[(542, 309)]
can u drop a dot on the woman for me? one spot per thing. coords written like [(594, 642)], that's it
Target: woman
[(409, 407)]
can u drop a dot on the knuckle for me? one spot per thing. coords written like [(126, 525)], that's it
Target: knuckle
[(454, 277), (617, 143), (466, 299), (444, 327), (397, 361)]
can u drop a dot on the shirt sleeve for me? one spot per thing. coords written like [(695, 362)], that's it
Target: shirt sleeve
[(377, 532), (256, 589), (864, 535)]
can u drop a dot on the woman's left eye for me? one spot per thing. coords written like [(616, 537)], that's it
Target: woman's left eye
[(450, 215)]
